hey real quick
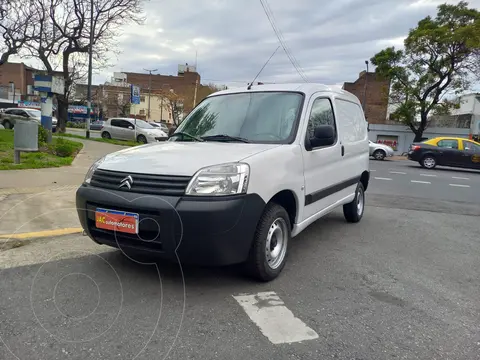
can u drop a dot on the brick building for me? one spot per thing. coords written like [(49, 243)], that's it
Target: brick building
[(22, 77), (377, 95)]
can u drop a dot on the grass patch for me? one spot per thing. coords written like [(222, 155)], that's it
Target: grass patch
[(108, 141), (60, 152)]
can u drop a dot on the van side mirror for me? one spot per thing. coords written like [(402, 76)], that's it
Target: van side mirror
[(324, 135)]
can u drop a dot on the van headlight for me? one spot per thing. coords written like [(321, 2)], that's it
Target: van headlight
[(95, 165), (218, 180)]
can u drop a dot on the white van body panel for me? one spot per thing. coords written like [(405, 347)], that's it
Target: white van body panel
[(310, 175)]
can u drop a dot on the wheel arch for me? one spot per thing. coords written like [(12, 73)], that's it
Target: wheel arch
[(288, 200)]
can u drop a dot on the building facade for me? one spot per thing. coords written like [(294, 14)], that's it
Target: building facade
[(376, 100)]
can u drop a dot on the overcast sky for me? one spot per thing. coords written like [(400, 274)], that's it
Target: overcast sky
[(330, 39)]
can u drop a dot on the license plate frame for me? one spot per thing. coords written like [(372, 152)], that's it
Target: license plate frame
[(109, 219)]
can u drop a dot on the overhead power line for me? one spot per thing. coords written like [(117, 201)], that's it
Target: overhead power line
[(278, 33)]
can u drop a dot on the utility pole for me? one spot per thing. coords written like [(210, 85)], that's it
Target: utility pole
[(90, 66), (149, 90)]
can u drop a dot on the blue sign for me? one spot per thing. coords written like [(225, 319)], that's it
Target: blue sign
[(134, 94)]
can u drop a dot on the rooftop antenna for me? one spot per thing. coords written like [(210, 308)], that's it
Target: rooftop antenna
[(263, 67)]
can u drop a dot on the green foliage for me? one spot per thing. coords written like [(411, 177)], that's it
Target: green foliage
[(42, 136), (44, 158), (441, 55), (76, 125), (64, 148)]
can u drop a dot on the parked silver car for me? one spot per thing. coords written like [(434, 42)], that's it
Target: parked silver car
[(133, 130), (380, 151), (9, 116)]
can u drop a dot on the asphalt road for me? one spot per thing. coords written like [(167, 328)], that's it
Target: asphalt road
[(401, 284), (407, 178)]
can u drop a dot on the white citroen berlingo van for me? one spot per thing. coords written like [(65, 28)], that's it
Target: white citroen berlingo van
[(247, 170)]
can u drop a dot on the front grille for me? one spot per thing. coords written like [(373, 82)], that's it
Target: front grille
[(142, 183)]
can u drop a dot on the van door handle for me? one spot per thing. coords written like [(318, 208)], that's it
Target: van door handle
[(343, 150)]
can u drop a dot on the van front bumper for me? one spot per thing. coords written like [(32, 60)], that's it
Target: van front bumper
[(199, 230)]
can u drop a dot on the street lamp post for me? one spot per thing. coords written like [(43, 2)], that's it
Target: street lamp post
[(89, 87), (149, 90), (365, 95)]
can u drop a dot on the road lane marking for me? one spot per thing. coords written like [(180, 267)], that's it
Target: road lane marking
[(460, 178), (398, 172), (41, 234), (274, 319), (420, 182), (381, 178), (460, 185), (373, 170), (431, 175)]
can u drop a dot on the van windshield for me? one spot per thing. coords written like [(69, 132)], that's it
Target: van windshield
[(258, 117)]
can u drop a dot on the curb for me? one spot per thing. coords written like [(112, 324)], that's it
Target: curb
[(41, 234)]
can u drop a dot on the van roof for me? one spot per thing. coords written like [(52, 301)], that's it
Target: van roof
[(306, 88)]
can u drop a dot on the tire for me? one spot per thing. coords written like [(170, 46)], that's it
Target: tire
[(106, 135), (142, 139), (428, 162), (379, 155), (264, 265), (353, 211), (7, 125)]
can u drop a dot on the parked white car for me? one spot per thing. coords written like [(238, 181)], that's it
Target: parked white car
[(247, 170), (133, 130), (380, 151), (162, 126)]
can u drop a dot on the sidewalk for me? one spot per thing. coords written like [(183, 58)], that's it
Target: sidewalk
[(68, 177), (32, 201)]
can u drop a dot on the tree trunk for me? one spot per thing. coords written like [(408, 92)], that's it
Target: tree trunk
[(418, 136), (62, 110)]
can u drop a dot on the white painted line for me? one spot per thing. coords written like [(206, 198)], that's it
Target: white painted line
[(274, 319), (398, 172), (373, 170), (460, 178), (460, 185), (431, 175), (380, 178), (420, 182)]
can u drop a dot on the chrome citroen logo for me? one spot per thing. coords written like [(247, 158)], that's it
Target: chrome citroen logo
[(128, 181)]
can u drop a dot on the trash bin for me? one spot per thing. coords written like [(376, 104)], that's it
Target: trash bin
[(25, 137)]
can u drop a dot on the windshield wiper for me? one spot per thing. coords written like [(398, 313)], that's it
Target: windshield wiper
[(223, 137), (187, 135)]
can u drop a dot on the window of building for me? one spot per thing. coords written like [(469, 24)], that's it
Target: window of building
[(142, 98), (142, 112)]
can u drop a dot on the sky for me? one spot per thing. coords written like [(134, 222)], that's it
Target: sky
[(231, 40)]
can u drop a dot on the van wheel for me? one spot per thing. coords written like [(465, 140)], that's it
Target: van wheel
[(106, 135), (353, 211), (268, 254)]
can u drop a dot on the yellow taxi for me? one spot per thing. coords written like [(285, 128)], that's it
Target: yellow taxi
[(446, 151)]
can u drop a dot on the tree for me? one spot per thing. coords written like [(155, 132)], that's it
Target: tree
[(65, 32), (17, 27), (174, 103), (440, 57)]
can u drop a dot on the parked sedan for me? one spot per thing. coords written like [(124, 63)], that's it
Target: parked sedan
[(380, 151), (446, 151), (161, 126), (9, 117), (133, 130)]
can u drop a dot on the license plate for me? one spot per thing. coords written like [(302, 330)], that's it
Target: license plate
[(120, 221)]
